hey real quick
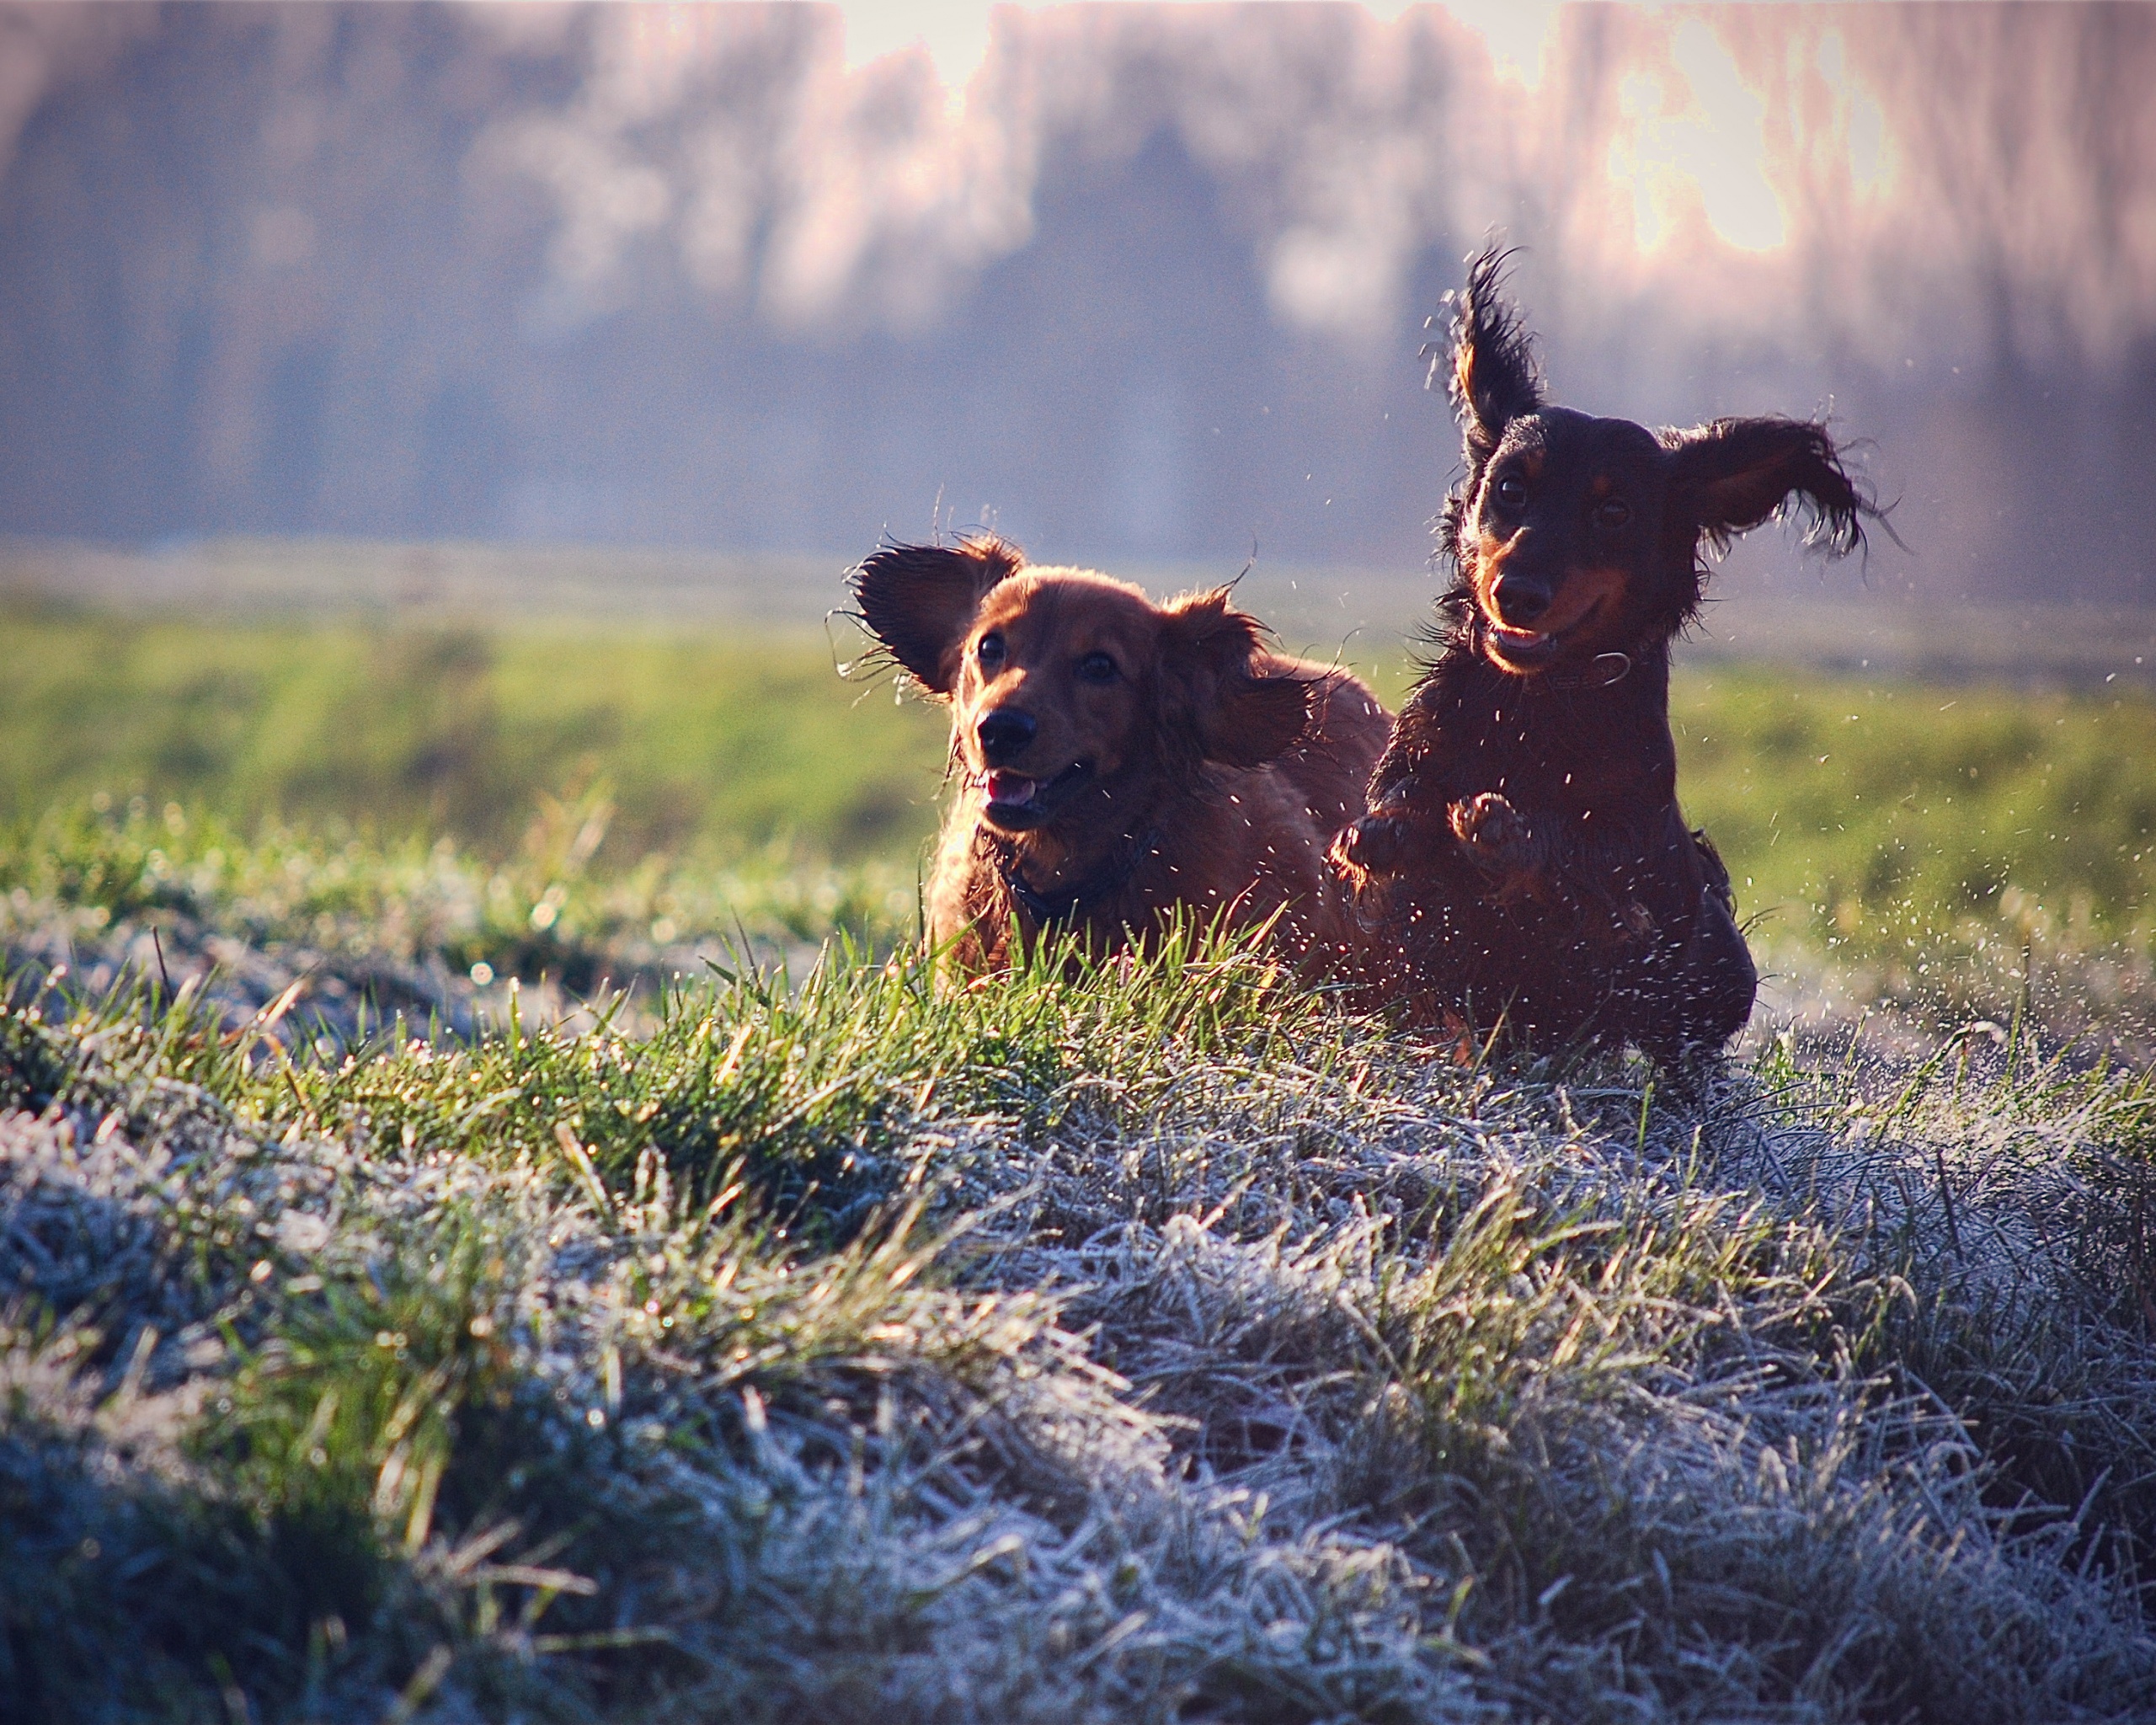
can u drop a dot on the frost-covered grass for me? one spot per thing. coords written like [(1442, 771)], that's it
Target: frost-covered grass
[(368, 929), (1157, 1343), (396, 1323)]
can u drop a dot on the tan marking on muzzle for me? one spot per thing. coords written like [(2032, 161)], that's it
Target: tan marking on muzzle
[(1579, 593), (1576, 594)]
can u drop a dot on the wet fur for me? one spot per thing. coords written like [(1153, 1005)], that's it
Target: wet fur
[(1217, 769), (1524, 857)]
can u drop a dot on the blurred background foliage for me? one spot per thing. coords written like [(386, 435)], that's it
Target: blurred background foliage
[(1133, 281)]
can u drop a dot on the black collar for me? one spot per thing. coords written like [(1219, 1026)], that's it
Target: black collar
[(1599, 673), (1047, 909)]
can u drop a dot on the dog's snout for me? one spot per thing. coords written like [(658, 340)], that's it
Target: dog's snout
[(1519, 600), (1004, 734)]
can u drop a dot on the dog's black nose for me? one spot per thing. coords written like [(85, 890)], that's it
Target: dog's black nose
[(1519, 600), (1004, 734)]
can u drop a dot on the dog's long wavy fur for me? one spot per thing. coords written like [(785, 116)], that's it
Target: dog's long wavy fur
[(1525, 857), (1118, 760)]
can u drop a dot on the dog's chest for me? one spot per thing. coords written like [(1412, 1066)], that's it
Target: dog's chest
[(1553, 753)]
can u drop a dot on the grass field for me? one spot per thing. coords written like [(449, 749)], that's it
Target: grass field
[(718, 737), (1912, 841), (400, 1326), (1927, 842), (1159, 1346)]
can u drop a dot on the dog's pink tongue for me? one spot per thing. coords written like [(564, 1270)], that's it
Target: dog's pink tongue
[(1008, 787)]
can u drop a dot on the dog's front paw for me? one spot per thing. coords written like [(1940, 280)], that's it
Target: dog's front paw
[(1496, 834), (1372, 845)]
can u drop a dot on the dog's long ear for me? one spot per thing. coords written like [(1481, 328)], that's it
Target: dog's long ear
[(1494, 380), (1728, 477), (920, 600), (1210, 689)]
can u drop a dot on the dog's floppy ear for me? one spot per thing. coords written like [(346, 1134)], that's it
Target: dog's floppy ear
[(1728, 477), (1494, 380), (920, 600), (1210, 693)]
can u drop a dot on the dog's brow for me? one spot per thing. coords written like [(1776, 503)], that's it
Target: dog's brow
[(1016, 610), (1045, 609)]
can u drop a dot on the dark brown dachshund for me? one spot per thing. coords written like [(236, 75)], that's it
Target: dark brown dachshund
[(1118, 758), (1524, 853)]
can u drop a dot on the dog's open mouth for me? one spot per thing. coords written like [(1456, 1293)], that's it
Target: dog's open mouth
[(1531, 649), (1014, 802)]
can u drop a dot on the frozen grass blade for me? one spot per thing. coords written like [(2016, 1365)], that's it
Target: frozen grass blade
[(1136, 1340)]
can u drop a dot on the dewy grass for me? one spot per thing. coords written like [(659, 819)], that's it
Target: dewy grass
[(1148, 1340), (373, 930)]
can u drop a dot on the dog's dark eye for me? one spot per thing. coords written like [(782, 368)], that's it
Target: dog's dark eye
[(1614, 512), (989, 651), (1097, 668), (1510, 493)]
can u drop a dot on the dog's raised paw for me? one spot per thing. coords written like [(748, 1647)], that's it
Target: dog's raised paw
[(1495, 833), (1371, 846)]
